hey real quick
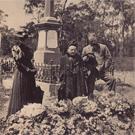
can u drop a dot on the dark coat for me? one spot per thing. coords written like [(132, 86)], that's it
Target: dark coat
[(23, 85), (71, 75)]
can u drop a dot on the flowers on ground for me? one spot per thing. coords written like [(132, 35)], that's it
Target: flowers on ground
[(109, 113)]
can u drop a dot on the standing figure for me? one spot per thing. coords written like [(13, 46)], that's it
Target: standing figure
[(24, 80), (104, 61), (90, 73), (71, 76)]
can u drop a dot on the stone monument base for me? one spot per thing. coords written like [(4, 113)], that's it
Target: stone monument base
[(39, 56), (50, 92)]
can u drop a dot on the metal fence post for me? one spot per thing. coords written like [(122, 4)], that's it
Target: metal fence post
[(51, 62)]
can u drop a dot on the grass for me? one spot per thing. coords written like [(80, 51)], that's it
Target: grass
[(124, 63)]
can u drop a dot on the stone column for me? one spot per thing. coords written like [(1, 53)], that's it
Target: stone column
[(49, 8), (48, 40), (39, 54), (0, 44), (0, 39)]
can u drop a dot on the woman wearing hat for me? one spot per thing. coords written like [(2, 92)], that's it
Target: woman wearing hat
[(24, 81), (71, 77)]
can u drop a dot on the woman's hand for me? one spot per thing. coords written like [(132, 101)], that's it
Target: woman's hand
[(34, 71), (85, 58)]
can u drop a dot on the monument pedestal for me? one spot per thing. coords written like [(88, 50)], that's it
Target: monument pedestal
[(50, 92), (47, 52), (45, 57), (39, 56)]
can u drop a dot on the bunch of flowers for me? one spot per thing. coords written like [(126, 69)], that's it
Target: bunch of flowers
[(84, 106), (31, 110), (17, 52), (80, 116), (114, 104), (62, 107)]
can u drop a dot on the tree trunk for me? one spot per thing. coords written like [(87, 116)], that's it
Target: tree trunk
[(122, 43), (123, 35)]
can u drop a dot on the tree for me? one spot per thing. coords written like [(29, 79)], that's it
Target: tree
[(35, 8), (3, 17), (116, 21), (7, 41), (76, 20), (112, 20), (3, 27), (9, 38)]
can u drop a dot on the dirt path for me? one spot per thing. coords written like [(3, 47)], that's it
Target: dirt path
[(4, 99)]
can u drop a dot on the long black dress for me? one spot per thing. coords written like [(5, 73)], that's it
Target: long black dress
[(72, 76), (23, 85)]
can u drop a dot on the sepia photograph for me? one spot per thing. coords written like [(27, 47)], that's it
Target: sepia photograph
[(67, 67)]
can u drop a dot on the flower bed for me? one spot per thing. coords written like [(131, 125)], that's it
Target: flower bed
[(109, 114)]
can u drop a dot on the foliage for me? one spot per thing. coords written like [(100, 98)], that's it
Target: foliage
[(3, 27), (112, 20), (110, 113), (3, 17), (76, 20), (35, 8), (7, 40), (30, 4)]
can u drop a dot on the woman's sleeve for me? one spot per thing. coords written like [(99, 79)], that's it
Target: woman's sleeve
[(23, 68), (62, 69)]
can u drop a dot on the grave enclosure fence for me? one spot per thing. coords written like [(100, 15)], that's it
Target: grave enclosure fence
[(48, 73), (45, 73)]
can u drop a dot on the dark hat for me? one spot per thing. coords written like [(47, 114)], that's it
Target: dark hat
[(21, 38), (73, 43), (21, 34)]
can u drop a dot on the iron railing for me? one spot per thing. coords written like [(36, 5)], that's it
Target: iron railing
[(45, 73)]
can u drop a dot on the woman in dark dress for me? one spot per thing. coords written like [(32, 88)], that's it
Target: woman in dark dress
[(24, 80), (71, 75)]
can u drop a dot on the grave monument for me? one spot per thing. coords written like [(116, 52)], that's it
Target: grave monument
[(47, 49), (48, 30)]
